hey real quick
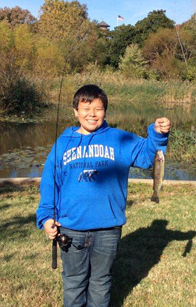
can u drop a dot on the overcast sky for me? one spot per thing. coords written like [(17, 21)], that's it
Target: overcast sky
[(130, 10)]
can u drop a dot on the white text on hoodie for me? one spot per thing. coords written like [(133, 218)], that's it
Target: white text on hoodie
[(90, 151)]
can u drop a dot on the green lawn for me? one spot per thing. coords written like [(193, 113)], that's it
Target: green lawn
[(156, 263)]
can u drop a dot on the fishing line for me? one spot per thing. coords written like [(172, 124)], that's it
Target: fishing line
[(177, 28)]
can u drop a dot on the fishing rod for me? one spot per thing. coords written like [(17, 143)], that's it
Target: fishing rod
[(63, 240), (54, 241)]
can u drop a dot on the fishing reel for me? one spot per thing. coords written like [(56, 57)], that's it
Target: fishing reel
[(64, 241)]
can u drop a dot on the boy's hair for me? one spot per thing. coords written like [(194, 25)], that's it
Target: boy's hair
[(88, 93)]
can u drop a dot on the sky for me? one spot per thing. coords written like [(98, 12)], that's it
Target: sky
[(108, 10)]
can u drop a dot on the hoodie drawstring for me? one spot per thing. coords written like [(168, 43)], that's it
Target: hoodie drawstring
[(90, 139)]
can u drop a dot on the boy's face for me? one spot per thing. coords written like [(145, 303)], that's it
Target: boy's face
[(90, 115)]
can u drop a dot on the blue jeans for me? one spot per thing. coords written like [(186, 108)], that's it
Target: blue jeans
[(87, 271)]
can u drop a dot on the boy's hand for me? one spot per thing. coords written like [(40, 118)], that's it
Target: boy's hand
[(162, 125), (51, 228)]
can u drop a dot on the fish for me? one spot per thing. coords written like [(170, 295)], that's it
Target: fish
[(158, 175)]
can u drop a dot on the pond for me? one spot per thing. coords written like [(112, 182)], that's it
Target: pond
[(25, 146)]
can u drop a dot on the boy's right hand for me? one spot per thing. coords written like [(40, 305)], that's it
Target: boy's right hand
[(51, 228)]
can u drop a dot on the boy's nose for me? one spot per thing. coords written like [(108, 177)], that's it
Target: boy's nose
[(92, 113)]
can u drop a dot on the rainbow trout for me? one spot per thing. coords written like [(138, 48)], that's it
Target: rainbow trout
[(158, 174)]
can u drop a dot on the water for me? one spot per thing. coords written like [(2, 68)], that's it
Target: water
[(173, 171), (25, 146)]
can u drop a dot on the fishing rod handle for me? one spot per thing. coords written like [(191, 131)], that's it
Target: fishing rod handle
[(54, 253)]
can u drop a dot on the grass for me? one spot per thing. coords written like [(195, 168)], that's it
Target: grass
[(168, 93), (155, 265)]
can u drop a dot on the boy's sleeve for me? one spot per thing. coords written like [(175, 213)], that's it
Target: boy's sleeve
[(144, 149), (48, 187)]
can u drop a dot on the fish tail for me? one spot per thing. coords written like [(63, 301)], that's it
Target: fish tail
[(155, 198)]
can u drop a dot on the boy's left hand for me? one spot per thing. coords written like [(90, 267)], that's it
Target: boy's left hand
[(162, 125)]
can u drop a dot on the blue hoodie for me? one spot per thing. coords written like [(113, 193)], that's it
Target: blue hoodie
[(91, 176)]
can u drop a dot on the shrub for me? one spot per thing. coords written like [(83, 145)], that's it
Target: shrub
[(17, 93), (21, 96)]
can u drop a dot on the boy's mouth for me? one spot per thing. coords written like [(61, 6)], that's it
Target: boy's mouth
[(91, 120)]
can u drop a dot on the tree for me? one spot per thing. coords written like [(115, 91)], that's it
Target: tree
[(154, 21), (100, 52), (6, 37), (186, 52), (24, 47), (59, 19), (160, 50), (133, 63), (171, 52), (66, 24), (16, 15), (121, 37), (49, 59)]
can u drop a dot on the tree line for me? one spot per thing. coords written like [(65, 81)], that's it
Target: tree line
[(63, 40)]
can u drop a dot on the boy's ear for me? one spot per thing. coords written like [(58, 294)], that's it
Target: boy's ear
[(75, 112)]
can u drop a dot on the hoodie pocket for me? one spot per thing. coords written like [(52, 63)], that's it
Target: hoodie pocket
[(97, 211)]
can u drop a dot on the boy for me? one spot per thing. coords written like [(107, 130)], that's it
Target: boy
[(89, 167)]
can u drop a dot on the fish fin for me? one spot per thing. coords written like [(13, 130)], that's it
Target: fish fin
[(155, 198)]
